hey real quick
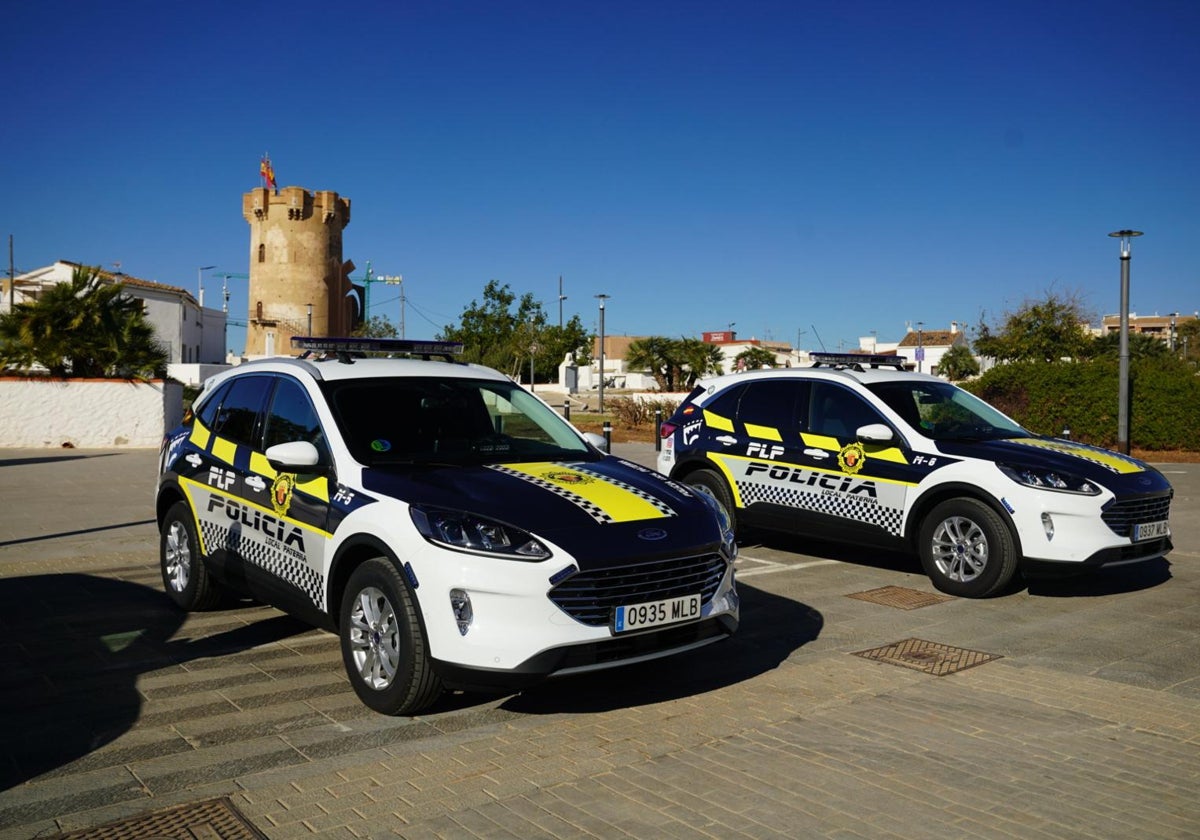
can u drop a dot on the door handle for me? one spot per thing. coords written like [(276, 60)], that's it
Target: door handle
[(816, 453)]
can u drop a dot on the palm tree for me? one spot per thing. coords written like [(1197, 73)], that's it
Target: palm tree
[(83, 328)]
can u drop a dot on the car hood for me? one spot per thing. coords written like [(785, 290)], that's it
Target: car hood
[(604, 512), (1117, 472)]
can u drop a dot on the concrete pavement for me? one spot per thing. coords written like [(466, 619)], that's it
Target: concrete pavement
[(1086, 724)]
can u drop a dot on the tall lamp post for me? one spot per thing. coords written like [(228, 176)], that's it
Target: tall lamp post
[(1123, 353), (602, 298), (200, 281), (920, 345)]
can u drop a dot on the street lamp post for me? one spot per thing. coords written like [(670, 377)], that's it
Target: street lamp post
[(310, 320), (561, 298), (920, 345), (602, 298), (1123, 352), (200, 282)]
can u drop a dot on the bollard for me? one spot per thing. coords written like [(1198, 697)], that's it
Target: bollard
[(1066, 433), (658, 430), (608, 434), (567, 410)]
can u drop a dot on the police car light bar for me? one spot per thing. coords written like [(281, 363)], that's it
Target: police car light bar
[(345, 347), (856, 360)]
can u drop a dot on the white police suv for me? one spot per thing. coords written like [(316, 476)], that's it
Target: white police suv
[(855, 449), (447, 524)]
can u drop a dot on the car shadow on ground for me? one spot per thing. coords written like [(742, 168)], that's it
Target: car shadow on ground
[(1112, 581), (74, 646), (771, 629)]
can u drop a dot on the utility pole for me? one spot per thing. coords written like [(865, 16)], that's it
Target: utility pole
[(602, 298), (561, 298), (12, 276)]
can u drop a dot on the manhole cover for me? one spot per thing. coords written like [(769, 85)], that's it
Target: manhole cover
[(930, 657), (212, 819), (901, 598)]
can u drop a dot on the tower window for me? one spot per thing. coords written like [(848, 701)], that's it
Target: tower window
[(262, 252)]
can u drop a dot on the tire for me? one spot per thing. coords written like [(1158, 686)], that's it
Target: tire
[(967, 549), (185, 577), (383, 643), (714, 486)]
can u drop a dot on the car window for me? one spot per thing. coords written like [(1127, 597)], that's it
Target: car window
[(771, 403), (726, 403), (427, 419), (238, 413), (292, 417), (207, 412), (838, 412), (945, 412)]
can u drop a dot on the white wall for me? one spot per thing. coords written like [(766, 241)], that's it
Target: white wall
[(87, 413)]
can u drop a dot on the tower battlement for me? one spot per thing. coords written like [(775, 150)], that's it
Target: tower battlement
[(299, 284)]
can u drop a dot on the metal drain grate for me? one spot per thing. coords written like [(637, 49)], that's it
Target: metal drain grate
[(212, 819), (930, 657), (901, 598)]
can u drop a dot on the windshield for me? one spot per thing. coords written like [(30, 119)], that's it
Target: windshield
[(462, 421), (943, 411)]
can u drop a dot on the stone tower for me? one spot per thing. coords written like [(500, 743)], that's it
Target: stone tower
[(295, 262)]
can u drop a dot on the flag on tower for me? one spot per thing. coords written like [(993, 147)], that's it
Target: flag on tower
[(267, 171)]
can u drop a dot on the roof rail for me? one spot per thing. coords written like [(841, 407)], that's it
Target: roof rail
[(346, 350), (856, 361)]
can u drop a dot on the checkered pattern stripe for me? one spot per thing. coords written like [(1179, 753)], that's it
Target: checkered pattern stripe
[(590, 508), (274, 561), (658, 504), (840, 505)]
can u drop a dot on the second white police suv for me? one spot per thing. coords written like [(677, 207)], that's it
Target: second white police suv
[(856, 449), (450, 526)]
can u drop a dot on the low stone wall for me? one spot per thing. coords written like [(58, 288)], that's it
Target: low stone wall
[(87, 413)]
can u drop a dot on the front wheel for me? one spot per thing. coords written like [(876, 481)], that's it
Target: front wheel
[(967, 549), (383, 644), (184, 575)]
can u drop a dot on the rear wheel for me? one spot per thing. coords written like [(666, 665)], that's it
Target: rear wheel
[(713, 486), (184, 575), (967, 549), (383, 644)]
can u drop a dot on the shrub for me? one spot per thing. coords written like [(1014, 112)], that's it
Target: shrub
[(631, 412), (1082, 397)]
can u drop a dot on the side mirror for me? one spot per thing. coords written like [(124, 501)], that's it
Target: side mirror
[(875, 433), (596, 440), (297, 456)]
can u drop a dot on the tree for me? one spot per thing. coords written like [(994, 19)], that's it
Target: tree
[(675, 363), (753, 358), (376, 327), (958, 363), (82, 328), (1187, 339), (1041, 330), (1141, 346)]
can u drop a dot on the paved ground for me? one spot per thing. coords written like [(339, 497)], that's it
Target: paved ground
[(113, 704)]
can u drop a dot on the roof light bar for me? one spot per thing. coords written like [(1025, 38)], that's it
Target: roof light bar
[(344, 347), (857, 360)]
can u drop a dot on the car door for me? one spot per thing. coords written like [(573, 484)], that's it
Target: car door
[(856, 488)]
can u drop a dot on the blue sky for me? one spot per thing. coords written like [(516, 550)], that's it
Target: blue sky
[(802, 170)]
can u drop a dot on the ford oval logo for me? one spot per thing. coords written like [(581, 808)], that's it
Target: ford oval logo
[(652, 534)]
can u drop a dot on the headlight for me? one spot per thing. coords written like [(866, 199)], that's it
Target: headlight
[(467, 532), (1044, 479)]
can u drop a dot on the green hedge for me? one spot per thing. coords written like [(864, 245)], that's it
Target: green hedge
[(1082, 396)]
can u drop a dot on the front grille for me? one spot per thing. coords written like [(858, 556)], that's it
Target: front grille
[(1122, 514), (589, 597)]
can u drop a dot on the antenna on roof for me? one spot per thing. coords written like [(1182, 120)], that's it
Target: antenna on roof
[(818, 335)]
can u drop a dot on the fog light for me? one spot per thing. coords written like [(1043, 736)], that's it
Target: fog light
[(460, 603), (1048, 526)]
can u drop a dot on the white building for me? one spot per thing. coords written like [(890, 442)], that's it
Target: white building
[(193, 336)]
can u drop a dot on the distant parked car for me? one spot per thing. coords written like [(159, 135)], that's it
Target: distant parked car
[(855, 449), (447, 524)]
